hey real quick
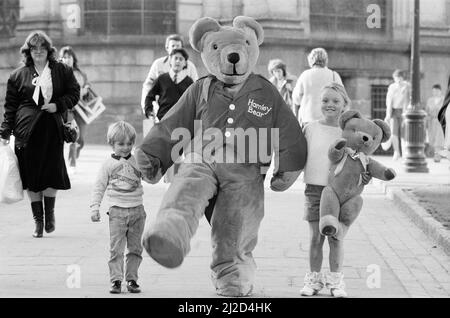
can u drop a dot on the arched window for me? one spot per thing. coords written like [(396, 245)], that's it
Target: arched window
[(129, 17), (9, 15)]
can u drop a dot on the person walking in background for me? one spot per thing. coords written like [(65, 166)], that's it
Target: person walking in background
[(161, 66), (68, 57), (306, 94), (169, 87), (120, 178), (38, 96), (434, 129), (397, 100), (282, 80), (444, 119)]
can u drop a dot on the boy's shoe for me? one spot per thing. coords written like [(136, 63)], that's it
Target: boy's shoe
[(313, 284), (133, 287), (335, 282), (116, 287)]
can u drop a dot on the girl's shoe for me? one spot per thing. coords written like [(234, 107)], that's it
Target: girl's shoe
[(313, 284), (335, 282)]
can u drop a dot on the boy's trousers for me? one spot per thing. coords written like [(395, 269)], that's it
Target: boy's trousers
[(126, 226), (238, 211)]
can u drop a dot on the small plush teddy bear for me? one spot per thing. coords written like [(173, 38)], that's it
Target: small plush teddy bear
[(341, 201), (233, 120)]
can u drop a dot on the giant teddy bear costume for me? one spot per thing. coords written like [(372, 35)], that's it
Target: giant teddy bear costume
[(214, 117), (341, 201)]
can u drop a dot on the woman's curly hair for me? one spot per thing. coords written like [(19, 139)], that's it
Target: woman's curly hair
[(36, 38)]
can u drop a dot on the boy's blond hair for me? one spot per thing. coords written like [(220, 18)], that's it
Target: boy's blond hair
[(338, 88), (120, 131)]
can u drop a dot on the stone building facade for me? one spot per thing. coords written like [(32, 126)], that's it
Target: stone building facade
[(117, 40)]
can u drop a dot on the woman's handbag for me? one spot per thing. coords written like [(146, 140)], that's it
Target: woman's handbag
[(71, 132), (11, 189)]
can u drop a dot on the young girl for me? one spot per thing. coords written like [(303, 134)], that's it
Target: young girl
[(320, 135)]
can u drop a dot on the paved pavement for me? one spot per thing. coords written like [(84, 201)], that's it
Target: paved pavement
[(386, 254)]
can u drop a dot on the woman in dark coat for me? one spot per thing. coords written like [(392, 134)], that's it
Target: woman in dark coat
[(38, 96)]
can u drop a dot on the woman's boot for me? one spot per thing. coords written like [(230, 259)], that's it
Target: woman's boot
[(49, 206), (38, 216)]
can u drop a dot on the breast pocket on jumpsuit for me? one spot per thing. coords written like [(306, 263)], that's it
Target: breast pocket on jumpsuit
[(259, 112)]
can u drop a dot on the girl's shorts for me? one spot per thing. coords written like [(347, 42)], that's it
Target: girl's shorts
[(312, 202)]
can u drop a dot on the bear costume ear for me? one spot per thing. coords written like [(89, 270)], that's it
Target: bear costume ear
[(199, 29), (349, 114), (384, 128), (243, 22)]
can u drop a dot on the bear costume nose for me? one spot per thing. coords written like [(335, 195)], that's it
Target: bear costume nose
[(365, 138), (233, 58)]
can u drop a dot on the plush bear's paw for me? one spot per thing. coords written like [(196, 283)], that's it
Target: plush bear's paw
[(328, 225), (329, 230), (163, 250), (340, 144), (389, 174)]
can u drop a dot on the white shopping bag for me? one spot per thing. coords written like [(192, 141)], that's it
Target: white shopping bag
[(11, 189)]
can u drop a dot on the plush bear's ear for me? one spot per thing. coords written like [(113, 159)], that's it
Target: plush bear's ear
[(243, 22), (349, 114), (385, 128), (199, 29)]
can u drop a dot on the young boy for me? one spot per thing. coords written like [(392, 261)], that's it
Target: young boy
[(169, 86), (121, 180)]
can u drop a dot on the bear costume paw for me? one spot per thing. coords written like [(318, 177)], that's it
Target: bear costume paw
[(163, 246)]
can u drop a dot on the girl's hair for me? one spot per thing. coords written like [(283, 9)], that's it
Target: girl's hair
[(319, 57), (69, 50), (276, 64), (338, 88), (36, 38), (120, 131)]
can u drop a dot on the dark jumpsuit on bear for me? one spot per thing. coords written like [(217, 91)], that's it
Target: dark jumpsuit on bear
[(237, 186)]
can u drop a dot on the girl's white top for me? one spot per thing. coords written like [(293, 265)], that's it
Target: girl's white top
[(319, 138)]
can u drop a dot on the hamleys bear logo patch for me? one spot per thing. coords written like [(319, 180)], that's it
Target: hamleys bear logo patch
[(258, 110)]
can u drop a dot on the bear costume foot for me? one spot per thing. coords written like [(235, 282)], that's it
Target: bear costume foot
[(163, 247), (235, 290)]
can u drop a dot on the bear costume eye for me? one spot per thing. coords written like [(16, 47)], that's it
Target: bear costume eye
[(248, 42), (215, 47)]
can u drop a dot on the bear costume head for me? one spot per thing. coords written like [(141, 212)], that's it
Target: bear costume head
[(363, 135), (229, 53)]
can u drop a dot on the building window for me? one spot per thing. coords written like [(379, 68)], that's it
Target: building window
[(378, 105), (378, 101), (129, 17), (345, 17), (9, 15)]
